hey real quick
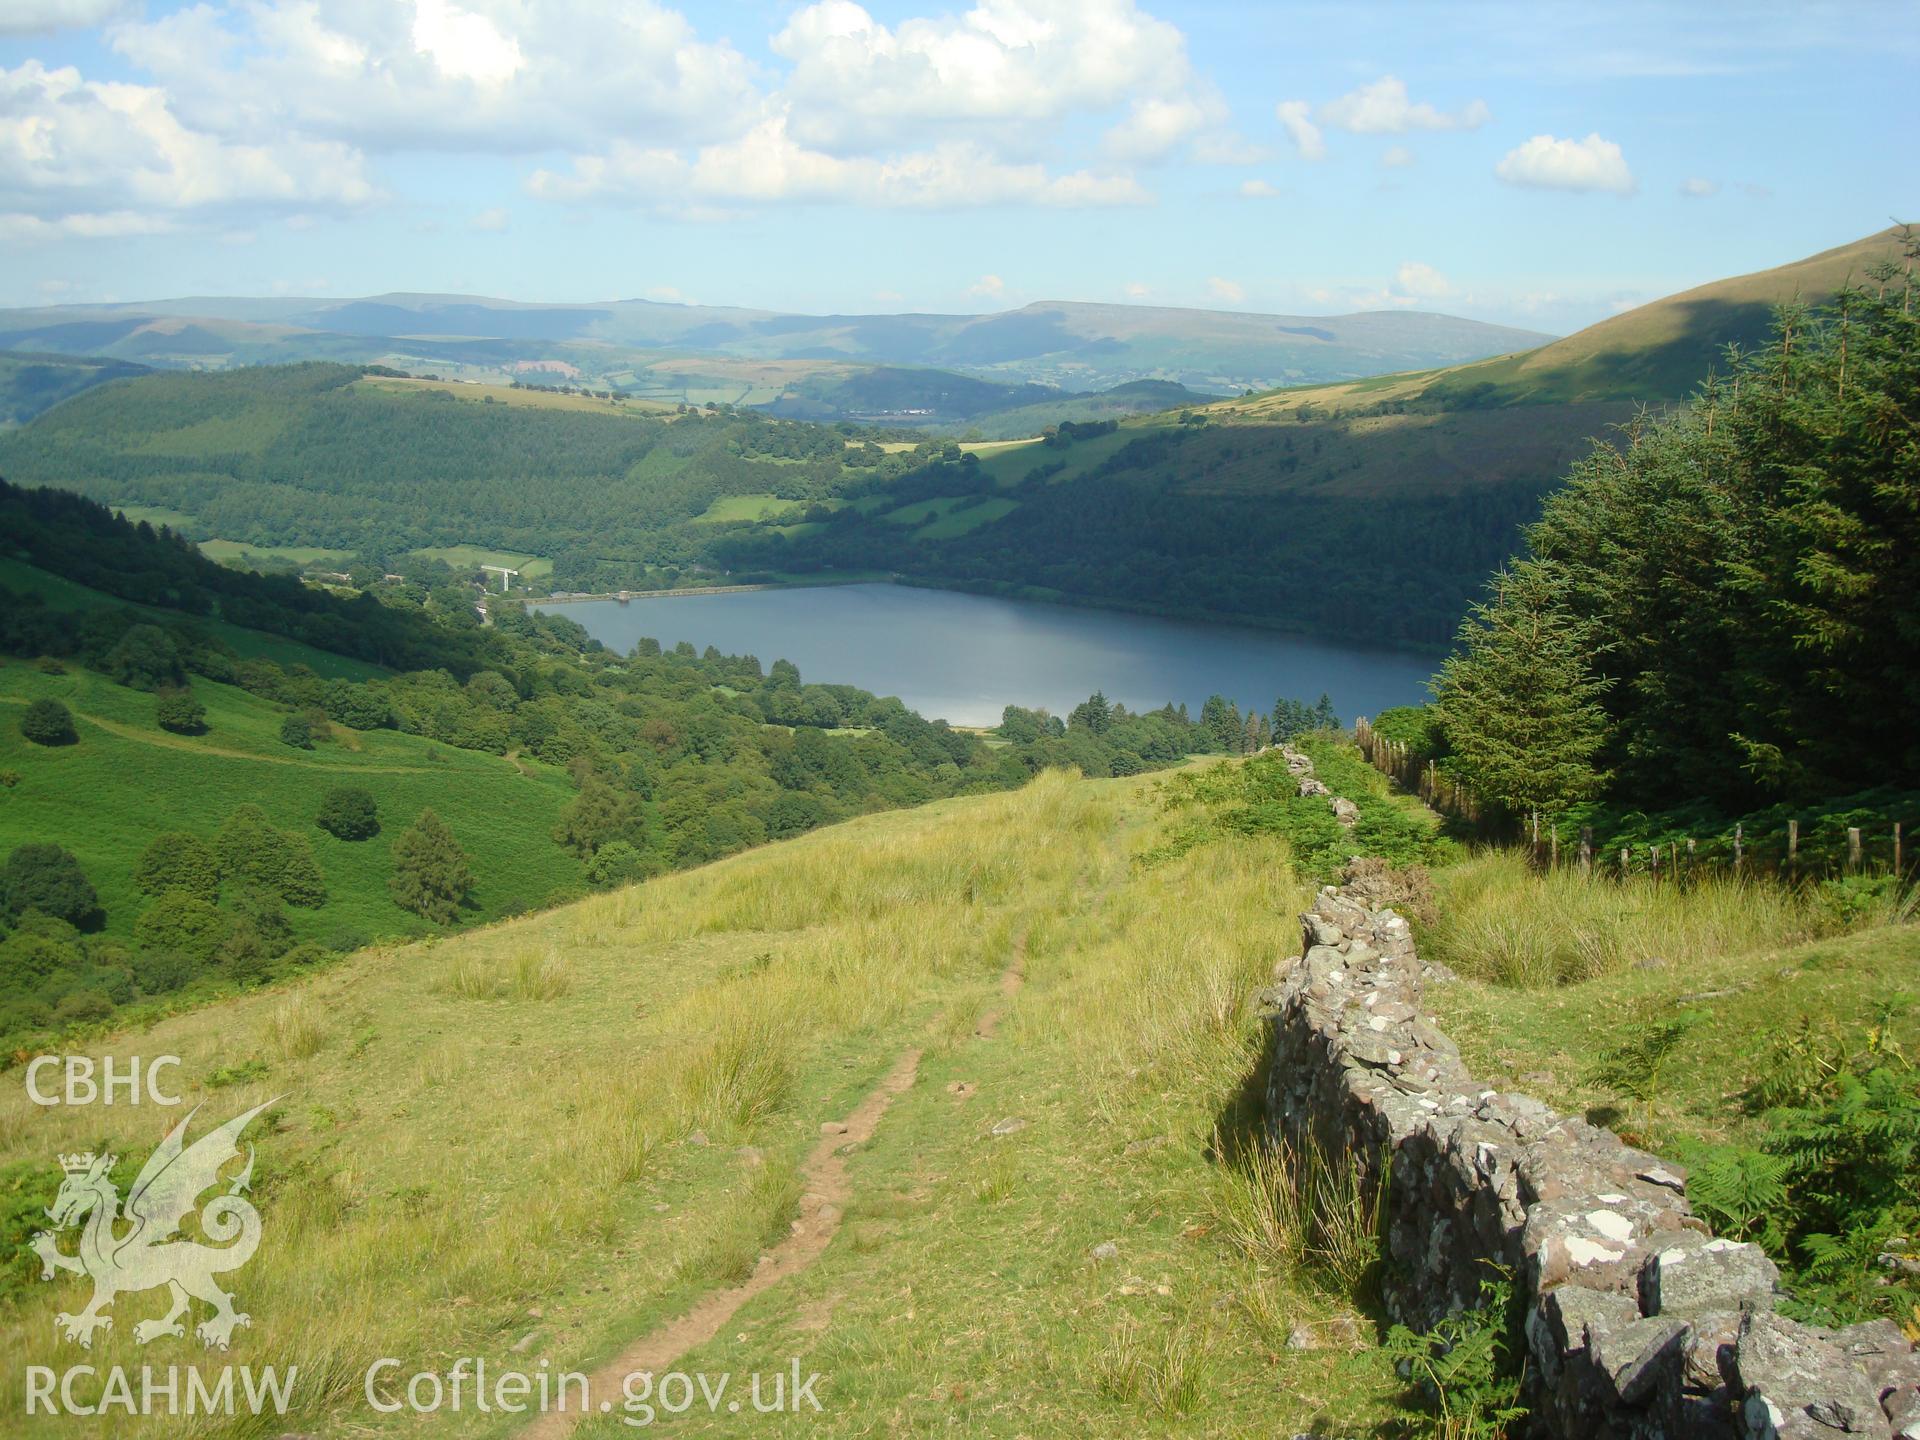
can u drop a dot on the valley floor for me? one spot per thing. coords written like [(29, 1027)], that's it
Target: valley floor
[(608, 1134)]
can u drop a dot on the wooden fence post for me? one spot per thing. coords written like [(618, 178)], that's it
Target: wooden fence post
[(1693, 857), (1553, 857), (1586, 850), (1625, 864), (1739, 845), (1853, 847), (1793, 848), (1653, 859)]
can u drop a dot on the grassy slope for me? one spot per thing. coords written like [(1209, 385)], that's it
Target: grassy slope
[(517, 1177), (1546, 1041), (31, 383), (1516, 418), (106, 797), (62, 594)]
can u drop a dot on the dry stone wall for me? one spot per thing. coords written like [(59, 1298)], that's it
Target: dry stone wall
[(1639, 1322)]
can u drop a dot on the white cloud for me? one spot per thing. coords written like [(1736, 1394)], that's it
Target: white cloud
[(1548, 163), (1417, 280), (463, 45), (490, 221), (1230, 291), (888, 297), (1698, 189), (495, 75), (856, 83), (1258, 189), (1295, 117), (989, 286), (1155, 127), (1380, 108), (33, 17), (956, 110), (768, 165), (85, 158), (1384, 108), (1396, 157), (1135, 290), (667, 294)]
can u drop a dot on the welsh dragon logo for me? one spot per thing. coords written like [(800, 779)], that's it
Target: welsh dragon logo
[(138, 1246)]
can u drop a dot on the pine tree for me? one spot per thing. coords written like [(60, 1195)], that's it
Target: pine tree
[(1518, 703), (430, 872)]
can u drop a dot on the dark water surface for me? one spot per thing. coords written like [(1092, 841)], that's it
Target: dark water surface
[(963, 657)]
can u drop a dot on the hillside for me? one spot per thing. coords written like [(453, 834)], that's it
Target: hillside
[(646, 346), (31, 383), (1017, 1043), (998, 1182), (1252, 508), (148, 749)]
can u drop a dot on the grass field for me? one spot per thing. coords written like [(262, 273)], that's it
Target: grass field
[(1012, 463), (730, 508), (229, 552), (156, 515), (61, 594), (1547, 1041), (946, 516), (540, 1141), (477, 394), (106, 797), (531, 567)]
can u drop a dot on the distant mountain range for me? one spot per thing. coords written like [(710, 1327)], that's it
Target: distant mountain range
[(701, 352)]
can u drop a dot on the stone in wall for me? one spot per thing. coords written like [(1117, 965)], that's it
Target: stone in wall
[(1639, 1322)]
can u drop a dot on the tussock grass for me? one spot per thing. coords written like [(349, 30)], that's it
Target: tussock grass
[(539, 975), (1500, 920), (297, 1029), (1298, 1211)]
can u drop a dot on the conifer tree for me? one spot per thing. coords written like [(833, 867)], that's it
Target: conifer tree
[(430, 872), (1518, 703)]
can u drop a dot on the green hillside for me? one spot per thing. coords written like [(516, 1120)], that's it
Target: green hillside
[(32, 383), (139, 739), (1253, 508), (126, 781), (698, 353)]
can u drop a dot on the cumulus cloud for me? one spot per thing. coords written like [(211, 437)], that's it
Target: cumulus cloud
[(1418, 280), (769, 165), (486, 74), (1295, 118), (1698, 189), (988, 286), (855, 82), (489, 221), (1258, 189), (1548, 163), (1135, 290), (86, 159), (1384, 108), (33, 17), (1231, 291), (931, 112)]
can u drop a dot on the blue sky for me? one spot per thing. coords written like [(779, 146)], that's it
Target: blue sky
[(1536, 164)]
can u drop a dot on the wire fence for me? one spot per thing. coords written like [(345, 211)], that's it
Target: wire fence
[(1848, 842)]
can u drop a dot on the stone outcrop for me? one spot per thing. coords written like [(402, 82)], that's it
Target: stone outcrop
[(1639, 1322)]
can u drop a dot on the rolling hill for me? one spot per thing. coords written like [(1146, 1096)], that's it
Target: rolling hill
[(642, 346), (1370, 508), (31, 383)]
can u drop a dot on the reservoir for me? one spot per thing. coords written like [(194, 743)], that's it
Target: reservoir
[(963, 657)]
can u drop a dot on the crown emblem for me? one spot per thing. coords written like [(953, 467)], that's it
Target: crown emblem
[(77, 1164)]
